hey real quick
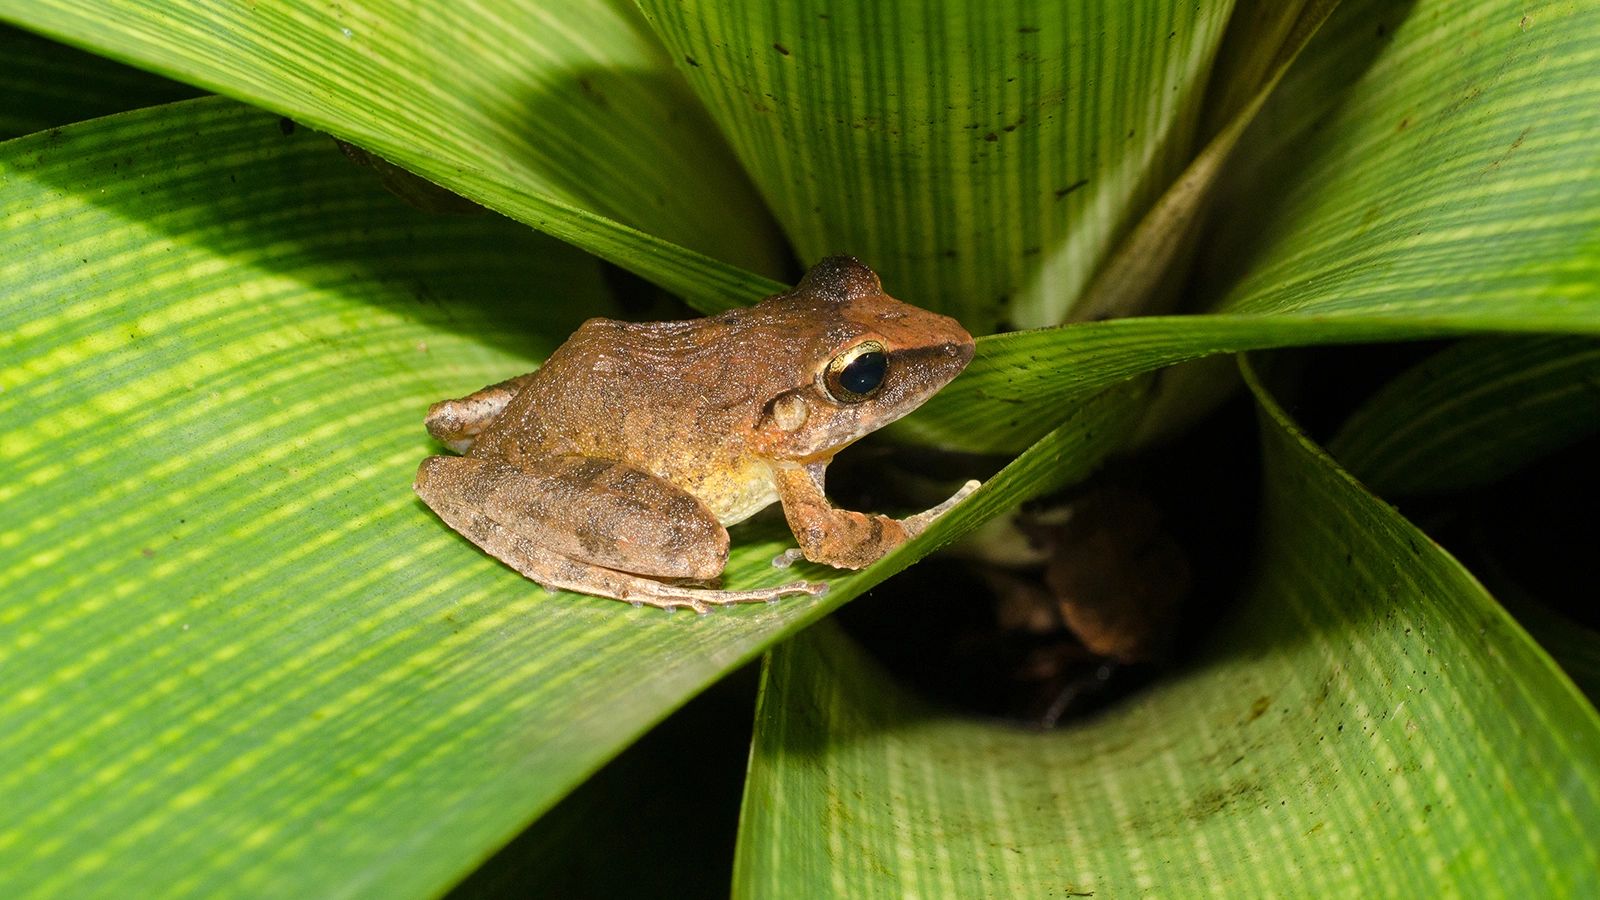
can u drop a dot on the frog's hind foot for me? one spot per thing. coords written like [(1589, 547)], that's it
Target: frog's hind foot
[(668, 597)]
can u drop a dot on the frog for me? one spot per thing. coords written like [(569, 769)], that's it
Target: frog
[(616, 467)]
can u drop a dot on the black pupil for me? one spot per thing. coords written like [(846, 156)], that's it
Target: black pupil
[(864, 373)]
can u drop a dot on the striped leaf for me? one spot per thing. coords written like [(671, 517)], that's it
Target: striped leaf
[(363, 704), (1473, 413), (1453, 187), (1371, 724), (238, 655), (983, 156), (46, 84), (563, 114), (1469, 416), (1573, 645)]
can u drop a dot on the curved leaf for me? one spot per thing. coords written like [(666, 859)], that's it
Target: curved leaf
[(46, 84), (238, 655), (564, 115), (1473, 413), (983, 158), (1372, 724), (1448, 191), (1141, 277), (1456, 175), (682, 778), (1575, 647), (1470, 415), (1037, 376)]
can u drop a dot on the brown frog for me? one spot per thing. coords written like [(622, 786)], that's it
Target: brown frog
[(615, 468)]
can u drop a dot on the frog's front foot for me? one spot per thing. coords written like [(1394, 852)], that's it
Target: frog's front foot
[(839, 537)]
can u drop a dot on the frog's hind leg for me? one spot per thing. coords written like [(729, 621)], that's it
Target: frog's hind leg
[(560, 573), (457, 423), (592, 526)]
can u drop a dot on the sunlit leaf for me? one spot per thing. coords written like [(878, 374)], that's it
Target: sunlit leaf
[(1369, 723), (563, 114), (238, 655), (1445, 193), (1144, 274)]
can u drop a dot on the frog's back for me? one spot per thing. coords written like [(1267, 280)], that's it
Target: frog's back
[(677, 399)]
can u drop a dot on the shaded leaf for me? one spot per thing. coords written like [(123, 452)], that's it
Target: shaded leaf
[(46, 84), (1473, 413), (664, 813), (1370, 723), (1575, 647)]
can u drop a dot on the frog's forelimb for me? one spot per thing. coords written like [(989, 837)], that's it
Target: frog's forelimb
[(840, 537)]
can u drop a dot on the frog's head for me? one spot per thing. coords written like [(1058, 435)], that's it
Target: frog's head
[(870, 360)]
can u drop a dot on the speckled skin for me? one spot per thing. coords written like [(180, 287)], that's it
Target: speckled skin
[(621, 460)]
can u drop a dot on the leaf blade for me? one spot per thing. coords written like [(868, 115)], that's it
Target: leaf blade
[(47, 84), (983, 160), (239, 655), (1468, 225), (565, 116), (1349, 735), (1473, 413)]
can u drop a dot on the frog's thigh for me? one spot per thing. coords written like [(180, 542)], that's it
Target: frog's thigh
[(457, 423), (585, 510)]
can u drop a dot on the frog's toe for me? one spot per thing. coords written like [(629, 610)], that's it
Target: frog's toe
[(763, 595), (788, 558)]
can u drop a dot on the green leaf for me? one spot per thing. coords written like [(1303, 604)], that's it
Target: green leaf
[(1444, 193), (1454, 178), (46, 84), (1370, 723), (1575, 647), (1037, 376), (1142, 276), (1473, 413), (563, 114), (876, 129), (239, 656)]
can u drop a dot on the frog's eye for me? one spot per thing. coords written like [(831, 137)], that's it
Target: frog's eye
[(855, 374)]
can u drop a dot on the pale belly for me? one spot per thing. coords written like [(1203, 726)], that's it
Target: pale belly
[(738, 494)]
